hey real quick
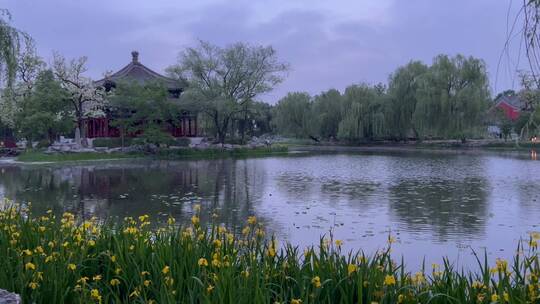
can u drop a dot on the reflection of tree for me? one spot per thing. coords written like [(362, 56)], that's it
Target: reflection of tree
[(296, 184), (355, 190), (225, 186), (446, 207), (238, 184), (529, 196), (36, 185)]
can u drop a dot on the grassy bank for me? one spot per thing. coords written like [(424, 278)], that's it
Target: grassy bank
[(426, 144), (59, 260), (37, 156), (220, 153)]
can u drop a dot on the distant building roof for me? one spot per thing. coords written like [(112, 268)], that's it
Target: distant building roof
[(512, 100), (136, 71)]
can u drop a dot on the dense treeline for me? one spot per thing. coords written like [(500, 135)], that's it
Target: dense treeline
[(40, 102), (448, 99)]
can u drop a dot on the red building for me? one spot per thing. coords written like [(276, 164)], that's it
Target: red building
[(136, 71), (511, 105)]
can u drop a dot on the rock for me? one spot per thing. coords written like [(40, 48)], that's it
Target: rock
[(78, 136), (8, 152), (7, 297)]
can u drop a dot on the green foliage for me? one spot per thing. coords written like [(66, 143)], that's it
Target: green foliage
[(506, 125), (448, 99), (255, 119), (155, 135), (223, 82), (528, 123), (36, 156), (211, 153), (294, 115), (143, 108), (111, 142), (402, 91), (59, 259), (10, 43), (364, 118), (43, 113), (452, 98), (328, 111), (182, 142)]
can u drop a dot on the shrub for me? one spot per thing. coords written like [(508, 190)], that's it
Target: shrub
[(112, 142), (182, 141), (44, 143), (156, 136)]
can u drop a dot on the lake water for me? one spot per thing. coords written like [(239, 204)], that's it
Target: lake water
[(434, 204)]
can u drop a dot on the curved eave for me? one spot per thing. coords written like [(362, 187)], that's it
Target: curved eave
[(125, 72)]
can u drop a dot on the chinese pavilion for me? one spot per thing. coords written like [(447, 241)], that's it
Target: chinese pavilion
[(136, 71)]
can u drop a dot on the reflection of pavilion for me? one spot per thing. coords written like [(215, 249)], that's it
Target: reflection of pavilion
[(123, 190), (231, 188)]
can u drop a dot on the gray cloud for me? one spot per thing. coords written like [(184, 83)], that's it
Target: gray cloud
[(328, 44)]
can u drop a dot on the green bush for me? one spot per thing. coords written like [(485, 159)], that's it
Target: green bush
[(112, 142), (182, 141), (156, 136), (44, 143)]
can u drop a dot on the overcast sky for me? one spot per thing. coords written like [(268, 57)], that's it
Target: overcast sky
[(329, 44)]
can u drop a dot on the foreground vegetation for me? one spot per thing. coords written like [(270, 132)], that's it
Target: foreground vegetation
[(58, 260), (171, 154)]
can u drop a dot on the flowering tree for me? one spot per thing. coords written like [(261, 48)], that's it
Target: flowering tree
[(86, 99)]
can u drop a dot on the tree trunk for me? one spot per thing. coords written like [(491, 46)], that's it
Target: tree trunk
[(243, 127), (221, 137), (122, 138)]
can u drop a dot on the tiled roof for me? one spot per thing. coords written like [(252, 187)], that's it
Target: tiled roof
[(512, 100), (136, 71)]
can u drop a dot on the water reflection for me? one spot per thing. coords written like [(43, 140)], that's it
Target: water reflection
[(449, 209), (160, 189), (435, 203)]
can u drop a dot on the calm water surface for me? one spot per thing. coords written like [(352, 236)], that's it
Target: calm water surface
[(434, 204)]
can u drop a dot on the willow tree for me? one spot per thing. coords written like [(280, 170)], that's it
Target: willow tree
[(293, 115), (10, 44), (11, 41), (222, 81), (327, 113), (452, 98), (402, 89), (364, 113)]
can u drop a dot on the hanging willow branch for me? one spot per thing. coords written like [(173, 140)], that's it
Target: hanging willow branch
[(531, 36), (10, 45)]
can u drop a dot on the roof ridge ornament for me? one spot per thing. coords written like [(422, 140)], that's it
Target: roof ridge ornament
[(135, 57)]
